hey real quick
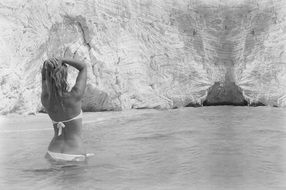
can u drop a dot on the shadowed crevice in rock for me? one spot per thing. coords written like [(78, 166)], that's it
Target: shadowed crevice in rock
[(256, 104), (193, 105), (225, 94), (96, 100)]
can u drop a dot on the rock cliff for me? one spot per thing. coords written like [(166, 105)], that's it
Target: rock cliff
[(146, 53)]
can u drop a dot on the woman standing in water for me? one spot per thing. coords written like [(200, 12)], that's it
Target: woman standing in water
[(64, 108)]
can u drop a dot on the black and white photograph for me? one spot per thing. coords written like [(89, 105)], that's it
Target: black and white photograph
[(143, 94)]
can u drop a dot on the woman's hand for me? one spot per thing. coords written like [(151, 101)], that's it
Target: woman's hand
[(48, 66), (44, 70)]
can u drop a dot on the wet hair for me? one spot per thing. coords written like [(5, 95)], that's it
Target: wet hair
[(57, 78)]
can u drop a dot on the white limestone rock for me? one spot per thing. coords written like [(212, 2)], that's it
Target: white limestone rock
[(143, 54)]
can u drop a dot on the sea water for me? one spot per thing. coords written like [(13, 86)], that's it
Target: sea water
[(207, 148)]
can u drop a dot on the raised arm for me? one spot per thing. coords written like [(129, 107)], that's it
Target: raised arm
[(45, 90), (79, 87)]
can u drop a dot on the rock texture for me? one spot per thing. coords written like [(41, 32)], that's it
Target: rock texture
[(147, 53)]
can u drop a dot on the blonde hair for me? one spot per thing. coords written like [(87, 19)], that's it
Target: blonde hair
[(57, 78)]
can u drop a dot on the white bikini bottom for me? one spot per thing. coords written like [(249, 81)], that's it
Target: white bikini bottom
[(69, 157)]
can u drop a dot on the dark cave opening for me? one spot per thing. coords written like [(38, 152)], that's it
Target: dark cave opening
[(227, 94), (225, 103)]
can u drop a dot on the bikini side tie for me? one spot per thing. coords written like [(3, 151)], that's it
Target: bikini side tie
[(60, 126)]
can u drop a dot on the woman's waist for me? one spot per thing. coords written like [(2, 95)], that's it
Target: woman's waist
[(66, 119), (69, 127)]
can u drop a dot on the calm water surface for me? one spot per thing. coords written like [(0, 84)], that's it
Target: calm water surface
[(209, 148)]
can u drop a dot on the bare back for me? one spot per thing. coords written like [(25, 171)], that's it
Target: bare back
[(68, 108), (69, 104)]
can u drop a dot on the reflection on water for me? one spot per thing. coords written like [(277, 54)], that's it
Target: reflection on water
[(192, 148)]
